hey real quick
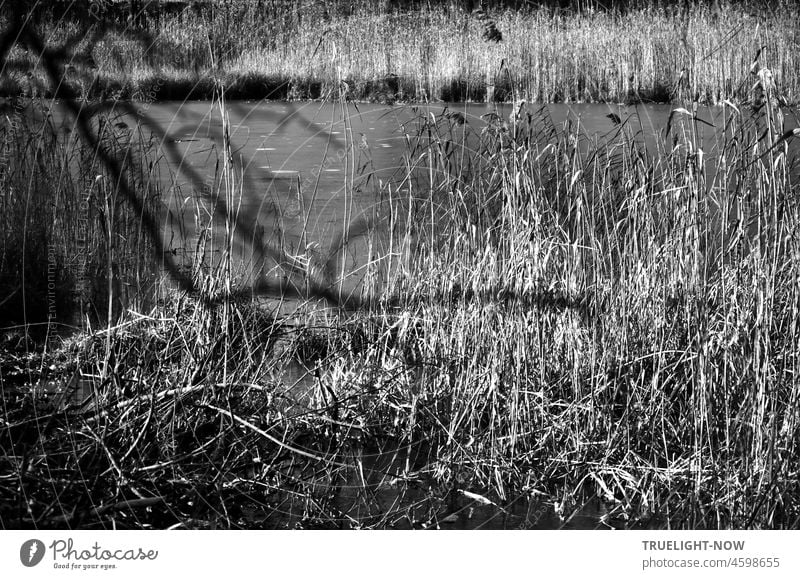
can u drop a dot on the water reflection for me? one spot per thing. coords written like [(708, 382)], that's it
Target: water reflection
[(392, 488), (356, 481)]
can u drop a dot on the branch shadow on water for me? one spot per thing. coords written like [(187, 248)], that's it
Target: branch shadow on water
[(245, 230)]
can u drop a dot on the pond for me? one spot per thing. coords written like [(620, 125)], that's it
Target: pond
[(308, 185), (320, 187)]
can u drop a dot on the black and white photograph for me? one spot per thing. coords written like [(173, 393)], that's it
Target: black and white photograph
[(458, 265)]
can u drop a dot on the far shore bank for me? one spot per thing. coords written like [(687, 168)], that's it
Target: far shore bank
[(653, 53)]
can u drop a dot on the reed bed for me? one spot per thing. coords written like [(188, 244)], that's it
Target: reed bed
[(646, 52), (561, 316), (622, 326), (69, 241)]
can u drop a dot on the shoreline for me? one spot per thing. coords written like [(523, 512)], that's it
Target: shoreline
[(240, 88), (8, 99), (653, 54)]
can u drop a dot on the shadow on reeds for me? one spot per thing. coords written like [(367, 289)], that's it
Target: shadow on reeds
[(475, 372), (257, 50), (70, 246)]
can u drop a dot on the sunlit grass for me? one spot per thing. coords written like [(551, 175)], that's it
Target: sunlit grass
[(659, 53), (548, 314)]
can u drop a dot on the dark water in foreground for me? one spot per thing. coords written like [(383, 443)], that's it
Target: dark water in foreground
[(364, 484)]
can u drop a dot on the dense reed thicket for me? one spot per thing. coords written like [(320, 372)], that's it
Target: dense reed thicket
[(605, 318), (69, 242), (562, 316), (645, 52)]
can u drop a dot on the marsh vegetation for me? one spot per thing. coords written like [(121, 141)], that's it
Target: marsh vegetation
[(409, 51), (557, 317)]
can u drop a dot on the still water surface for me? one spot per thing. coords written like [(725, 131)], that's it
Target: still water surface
[(308, 182), (312, 169)]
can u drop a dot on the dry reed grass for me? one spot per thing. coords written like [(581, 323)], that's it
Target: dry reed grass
[(562, 317), (649, 53)]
